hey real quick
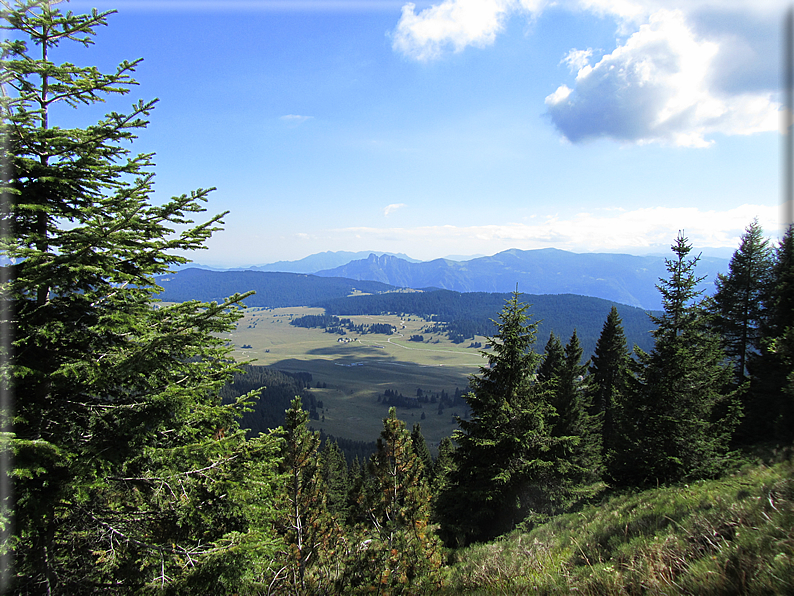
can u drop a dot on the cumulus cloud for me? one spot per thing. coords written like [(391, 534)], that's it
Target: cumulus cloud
[(675, 76), (451, 24), (655, 87), (393, 207)]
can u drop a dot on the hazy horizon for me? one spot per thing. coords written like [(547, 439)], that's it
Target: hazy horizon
[(712, 252)]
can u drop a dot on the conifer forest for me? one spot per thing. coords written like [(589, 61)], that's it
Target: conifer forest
[(132, 473)]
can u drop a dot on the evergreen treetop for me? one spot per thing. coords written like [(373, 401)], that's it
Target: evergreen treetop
[(553, 357), (680, 421), (740, 301), (505, 465), (610, 384)]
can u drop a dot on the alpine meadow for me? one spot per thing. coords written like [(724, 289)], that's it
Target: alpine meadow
[(148, 454)]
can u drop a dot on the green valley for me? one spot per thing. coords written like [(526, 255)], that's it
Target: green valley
[(355, 371)]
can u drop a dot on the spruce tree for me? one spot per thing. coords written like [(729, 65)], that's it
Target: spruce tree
[(505, 464), (335, 475), (422, 452), (129, 471), (575, 416), (683, 416), (610, 384), (443, 467), (771, 407), (739, 301), (553, 357)]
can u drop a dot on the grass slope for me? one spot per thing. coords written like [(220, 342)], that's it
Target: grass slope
[(729, 536)]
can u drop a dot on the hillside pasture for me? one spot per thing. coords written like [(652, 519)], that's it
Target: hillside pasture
[(353, 374)]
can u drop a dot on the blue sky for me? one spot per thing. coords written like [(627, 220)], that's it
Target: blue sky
[(458, 127)]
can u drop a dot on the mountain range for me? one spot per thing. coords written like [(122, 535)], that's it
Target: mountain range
[(324, 260), (621, 278)]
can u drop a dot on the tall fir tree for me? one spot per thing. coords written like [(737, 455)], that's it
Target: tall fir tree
[(443, 466), (553, 357), (422, 452), (610, 384), (336, 478), (683, 416), (771, 407), (505, 463), (575, 416), (739, 302), (129, 471)]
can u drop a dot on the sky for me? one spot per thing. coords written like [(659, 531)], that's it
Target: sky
[(457, 127)]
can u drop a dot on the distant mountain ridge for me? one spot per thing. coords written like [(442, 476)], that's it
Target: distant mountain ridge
[(323, 260), (621, 278)]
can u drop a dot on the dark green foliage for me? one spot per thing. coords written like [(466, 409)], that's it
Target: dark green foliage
[(129, 471), (564, 377), (323, 321), (422, 452), (505, 461), (336, 477), (352, 450), (553, 357), (770, 408), (443, 466), (678, 424), (275, 390), (575, 416), (610, 385), (465, 315)]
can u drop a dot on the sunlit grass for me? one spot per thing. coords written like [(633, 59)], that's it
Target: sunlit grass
[(729, 536)]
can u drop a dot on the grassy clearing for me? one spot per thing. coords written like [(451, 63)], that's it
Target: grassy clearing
[(722, 537), (356, 373)]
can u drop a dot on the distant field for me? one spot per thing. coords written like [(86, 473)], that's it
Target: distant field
[(355, 373)]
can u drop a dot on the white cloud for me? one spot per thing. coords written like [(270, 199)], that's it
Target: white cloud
[(676, 76), (559, 96), (655, 87), (636, 232), (393, 207), (295, 119), (577, 59), (452, 23)]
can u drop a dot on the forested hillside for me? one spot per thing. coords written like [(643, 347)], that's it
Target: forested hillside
[(275, 391), (273, 290), (463, 315)]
